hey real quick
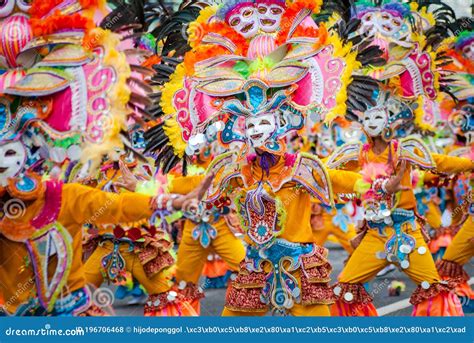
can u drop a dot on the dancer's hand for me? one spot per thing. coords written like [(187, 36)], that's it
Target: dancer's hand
[(200, 190), (394, 183), (127, 181), (195, 195)]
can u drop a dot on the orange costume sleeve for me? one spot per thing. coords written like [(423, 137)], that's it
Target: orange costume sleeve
[(343, 181), (81, 205), (185, 184), (452, 164)]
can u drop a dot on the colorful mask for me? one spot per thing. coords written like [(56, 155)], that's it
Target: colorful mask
[(252, 17), (244, 19), (269, 15), (375, 120), (12, 160), (260, 129), (254, 92)]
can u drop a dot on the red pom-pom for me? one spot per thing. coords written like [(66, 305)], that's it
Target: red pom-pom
[(119, 232), (134, 234)]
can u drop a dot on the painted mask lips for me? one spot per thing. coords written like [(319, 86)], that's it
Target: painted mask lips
[(268, 22), (247, 28), (3, 170), (257, 136)]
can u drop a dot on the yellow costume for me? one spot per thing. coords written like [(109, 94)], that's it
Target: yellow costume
[(139, 252), (280, 247), (193, 250), (323, 226), (75, 205), (458, 253), (372, 255)]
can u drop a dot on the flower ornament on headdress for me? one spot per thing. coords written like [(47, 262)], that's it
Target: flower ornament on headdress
[(255, 82)]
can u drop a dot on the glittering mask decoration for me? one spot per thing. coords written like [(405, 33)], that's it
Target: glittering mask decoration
[(251, 18), (253, 92), (244, 19), (269, 15), (259, 129), (12, 160), (261, 121), (18, 143), (385, 23)]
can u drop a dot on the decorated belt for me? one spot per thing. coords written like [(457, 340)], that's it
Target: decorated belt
[(400, 244), (281, 289)]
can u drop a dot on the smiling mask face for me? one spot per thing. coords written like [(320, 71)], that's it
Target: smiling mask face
[(374, 121), (258, 130), (245, 20), (12, 160), (269, 16)]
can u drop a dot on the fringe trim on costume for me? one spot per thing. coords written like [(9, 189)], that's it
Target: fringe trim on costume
[(191, 292), (437, 302), (315, 293), (421, 294), (452, 270), (168, 304), (352, 293), (245, 300)]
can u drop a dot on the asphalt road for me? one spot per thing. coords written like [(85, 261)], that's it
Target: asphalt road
[(213, 303)]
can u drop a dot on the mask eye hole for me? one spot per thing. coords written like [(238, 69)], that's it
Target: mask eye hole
[(247, 13), (396, 23), (265, 122), (10, 152), (385, 16), (262, 10), (234, 21), (276, 10), (378, 117), (250, 126)]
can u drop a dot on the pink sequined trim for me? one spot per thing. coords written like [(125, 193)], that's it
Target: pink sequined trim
[(52, 205)]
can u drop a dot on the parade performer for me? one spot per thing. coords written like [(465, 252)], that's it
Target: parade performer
[(252, 80), (460, 116), (204, 231), (79, 82), (136, 250), (392, 235)]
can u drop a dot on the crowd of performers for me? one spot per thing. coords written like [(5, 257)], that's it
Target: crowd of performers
[(145, 147)]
